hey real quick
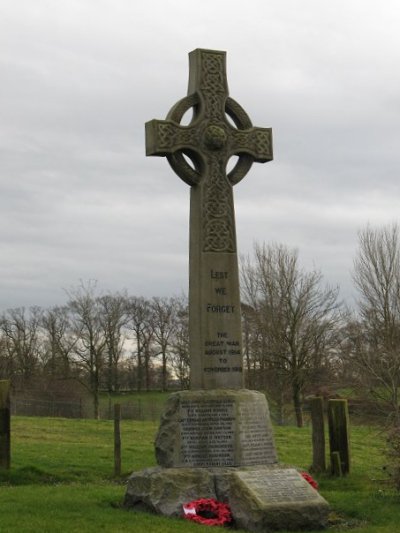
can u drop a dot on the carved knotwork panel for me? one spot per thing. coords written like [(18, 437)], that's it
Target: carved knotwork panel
[(213, 72), (213, 85), (262, 140), (217, 210), (170, 136), (209, 141), (255, 141)]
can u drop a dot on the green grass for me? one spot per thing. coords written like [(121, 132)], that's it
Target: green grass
[(65, 450), (62, 479), (146, 396), (139, 405)]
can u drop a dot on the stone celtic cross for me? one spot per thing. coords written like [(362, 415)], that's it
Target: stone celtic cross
[(219, 129)]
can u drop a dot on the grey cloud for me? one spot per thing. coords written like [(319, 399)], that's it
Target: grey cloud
[(78, 198)]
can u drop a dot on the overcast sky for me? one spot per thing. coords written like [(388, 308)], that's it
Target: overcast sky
[(79, 78)]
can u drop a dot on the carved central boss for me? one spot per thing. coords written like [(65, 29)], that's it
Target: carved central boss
[(219, 129)]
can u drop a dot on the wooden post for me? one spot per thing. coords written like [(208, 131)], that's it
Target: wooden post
[(117, 439), (336, 467), (318, 434), (5, 439), (338, 419)]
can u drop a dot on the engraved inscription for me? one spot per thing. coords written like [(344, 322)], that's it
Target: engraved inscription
[(278, 485), (218, 275), (214, 308), (222, 349), (207, 433), (255, 435)]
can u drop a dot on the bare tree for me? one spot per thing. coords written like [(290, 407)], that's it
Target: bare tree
[(248, 348), (91, 341), (179, 346), (58, 341), (113, 318), (21, 341), (164, 323), (295, 315), (5, 369), (375, 337), (139, 321)]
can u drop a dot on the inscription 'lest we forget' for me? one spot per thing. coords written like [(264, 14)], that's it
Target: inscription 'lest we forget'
[(220, 291), (222, 351)]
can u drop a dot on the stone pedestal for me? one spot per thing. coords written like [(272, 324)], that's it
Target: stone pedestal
[(219, 444), (261, 499), (215, 428)]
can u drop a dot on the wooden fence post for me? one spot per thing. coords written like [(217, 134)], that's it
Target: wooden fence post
[(338, 420), (117, 439), (5, 437), (318, 434)]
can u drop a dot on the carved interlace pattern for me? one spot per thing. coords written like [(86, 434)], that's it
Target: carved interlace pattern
[(218, 213), (170, 136), (257, 142), (213, 73), (262, 141), (166, 135), (212, 84), (210, 140)]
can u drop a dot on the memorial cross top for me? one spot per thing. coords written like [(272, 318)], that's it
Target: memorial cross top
[(208, 142)]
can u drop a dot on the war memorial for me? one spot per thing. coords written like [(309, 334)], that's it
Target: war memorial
[(216, 440)]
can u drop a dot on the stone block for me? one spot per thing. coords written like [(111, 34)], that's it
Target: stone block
[(217, 428), (273, 499), (261, 499), (164, 491)]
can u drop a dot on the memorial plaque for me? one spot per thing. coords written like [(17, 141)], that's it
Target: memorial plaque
[(269, 499), (255, 433), (278, 485), (208, 433), (215, 429)]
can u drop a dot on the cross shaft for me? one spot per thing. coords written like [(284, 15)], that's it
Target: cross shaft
[(208, 142)]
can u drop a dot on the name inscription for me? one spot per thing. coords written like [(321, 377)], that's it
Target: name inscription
[(207, 433), (278, 485), (255, 434)]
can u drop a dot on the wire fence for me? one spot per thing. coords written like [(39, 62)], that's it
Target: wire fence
[(131, 410), (149, 410)]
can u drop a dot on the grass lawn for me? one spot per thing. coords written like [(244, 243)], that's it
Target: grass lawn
[(146, 405), (62, 479)]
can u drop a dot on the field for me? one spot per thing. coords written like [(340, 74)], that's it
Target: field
[(62, 479)]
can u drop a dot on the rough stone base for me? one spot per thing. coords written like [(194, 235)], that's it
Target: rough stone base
[(261, 499)]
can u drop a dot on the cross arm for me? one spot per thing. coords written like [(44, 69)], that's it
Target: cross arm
[(164, 137), (256, 142)]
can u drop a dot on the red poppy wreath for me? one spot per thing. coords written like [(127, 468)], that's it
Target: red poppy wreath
[(208, 512), (310, 480)]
